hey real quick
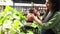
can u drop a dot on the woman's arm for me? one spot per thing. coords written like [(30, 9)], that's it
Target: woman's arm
[(37, 20), (52, 22)]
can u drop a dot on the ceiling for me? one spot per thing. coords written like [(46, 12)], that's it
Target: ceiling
[(29, 1)]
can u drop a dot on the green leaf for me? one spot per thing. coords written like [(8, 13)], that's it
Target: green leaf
[(30, 32), (16, 24)]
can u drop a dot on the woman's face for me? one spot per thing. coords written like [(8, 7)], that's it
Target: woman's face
[(48, 4)]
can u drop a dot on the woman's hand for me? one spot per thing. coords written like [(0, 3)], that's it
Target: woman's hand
[(37, 20)]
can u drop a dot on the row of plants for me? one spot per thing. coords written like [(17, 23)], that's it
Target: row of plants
[(12, 21)]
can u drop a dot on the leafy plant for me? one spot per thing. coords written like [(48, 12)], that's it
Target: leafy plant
[(12, 21)]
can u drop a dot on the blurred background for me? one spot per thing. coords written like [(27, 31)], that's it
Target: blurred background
[(11, 20)]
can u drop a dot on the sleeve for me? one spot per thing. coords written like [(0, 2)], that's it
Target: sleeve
[(52, 22)]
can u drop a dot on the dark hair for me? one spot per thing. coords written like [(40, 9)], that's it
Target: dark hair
[(55, 8), (31, 10), (56, 4)]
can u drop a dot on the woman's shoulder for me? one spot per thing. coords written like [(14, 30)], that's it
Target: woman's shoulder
[(58, 13)]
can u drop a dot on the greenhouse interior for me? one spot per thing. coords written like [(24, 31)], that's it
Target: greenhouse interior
[(29, 17)]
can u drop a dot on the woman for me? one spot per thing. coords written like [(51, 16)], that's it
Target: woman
[(52, 20), (30, 20), (32, 12)]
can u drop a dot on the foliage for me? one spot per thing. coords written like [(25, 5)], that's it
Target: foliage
[(12, 21)]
